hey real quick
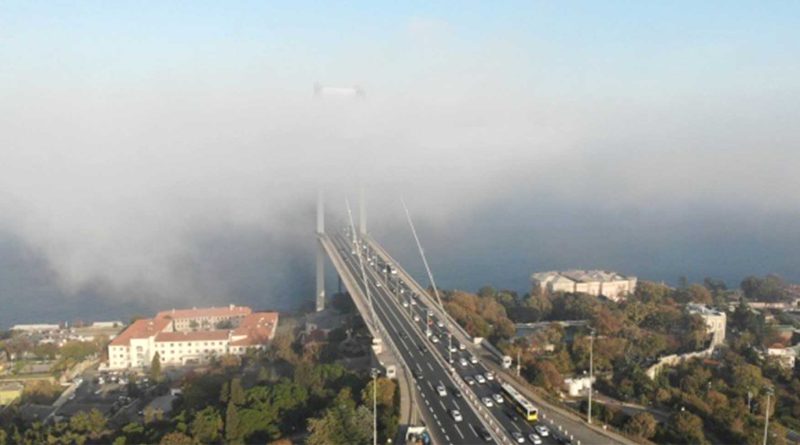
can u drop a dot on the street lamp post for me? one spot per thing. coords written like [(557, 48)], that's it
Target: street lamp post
[(591, 374), (449, 347), (766, 418), (374, 406)]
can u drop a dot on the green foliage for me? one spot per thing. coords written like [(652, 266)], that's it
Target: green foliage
[(641, 425), (176, 438), (92, 423), (233, 427), (342, 424), (207, 425), (687, 428), (155, 368), (481, 317), (769, 288)]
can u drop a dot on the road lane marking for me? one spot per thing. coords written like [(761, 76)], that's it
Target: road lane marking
[(458, 430)]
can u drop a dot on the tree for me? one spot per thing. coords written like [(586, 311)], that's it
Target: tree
[(699, 294), (641, 425), (547, 376), (237, 392), (688, 428), (769, 288), (176, 438), (342, 423), (155, 368), (93, 423), (207, 425), (233, 428), (386, 392)]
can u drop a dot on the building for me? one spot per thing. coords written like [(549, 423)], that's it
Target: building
[(205, 318), (787, 357), (35, 327), (715, 321), (189, 336), (576, 386), (9, 392), (592, 282)]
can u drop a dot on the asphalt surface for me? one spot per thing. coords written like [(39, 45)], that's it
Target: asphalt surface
[(430, 361)]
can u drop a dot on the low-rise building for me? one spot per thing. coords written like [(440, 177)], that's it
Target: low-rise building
[(9, 392), (787, 357), (576, 386), (715, 321), (35, 327), (611, 285), (138, 344)]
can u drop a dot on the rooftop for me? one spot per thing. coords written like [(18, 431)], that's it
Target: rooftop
[(226, 311), (581, 276), (146, 327), (192, 336), (702, 309)]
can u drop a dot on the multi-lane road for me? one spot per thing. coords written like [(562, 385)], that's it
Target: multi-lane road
[(442, 386)]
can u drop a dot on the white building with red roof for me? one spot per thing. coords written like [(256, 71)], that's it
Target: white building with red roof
[(178, 341)]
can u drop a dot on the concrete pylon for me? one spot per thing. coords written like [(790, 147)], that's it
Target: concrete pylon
[(362, 212), (320, 253)]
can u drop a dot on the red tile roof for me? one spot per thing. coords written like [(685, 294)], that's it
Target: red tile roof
[(259, 328), (227, 311), (146, 327), (192, 336)]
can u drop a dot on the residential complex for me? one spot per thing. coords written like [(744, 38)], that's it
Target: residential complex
[(715, 321), (593, 282), (189, 336)]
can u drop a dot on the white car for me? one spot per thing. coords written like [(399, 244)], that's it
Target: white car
[(428, 332), (542, 430), (441, 390), (462, 362), (470, 381), (379, 284), (489, 375), (456, 415), (487, 401), (413, 302), (435, 339), (461, 346), (518, 436), (497, 398), (405, 304), (440, 324), (535, 439), (453, 349), (479, 378), (416, 317), (474, 361)]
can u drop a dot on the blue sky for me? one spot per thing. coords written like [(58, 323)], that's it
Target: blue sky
[(575, 48)]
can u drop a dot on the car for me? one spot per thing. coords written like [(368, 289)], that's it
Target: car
[(428, 332), (487, 401), (416, 317), (405, 304), (456, 415), (461, 346), (518, 437), (463, 362), (72, 396), (483, 433), (535, 439), (497, 397), (489, 375), (474, 361), (440, 324), (422, 348), (470, 381), (542, 430), (413, 302), (453, 348), (441, 390), (379, 284), (418, 375), (563, 440), (480, 378), (435, 339), (457, 394), (512, 415)]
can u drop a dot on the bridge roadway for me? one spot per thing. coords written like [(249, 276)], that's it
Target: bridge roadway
[(411, 342), (557, 419)]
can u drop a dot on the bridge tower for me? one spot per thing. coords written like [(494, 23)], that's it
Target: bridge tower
[(320, 253)]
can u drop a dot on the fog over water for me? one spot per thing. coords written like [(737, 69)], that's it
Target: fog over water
[(180, 169)]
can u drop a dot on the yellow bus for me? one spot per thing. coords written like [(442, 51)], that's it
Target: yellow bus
[(523, 405)]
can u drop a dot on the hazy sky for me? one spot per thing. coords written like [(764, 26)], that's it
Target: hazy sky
[(167, 153)]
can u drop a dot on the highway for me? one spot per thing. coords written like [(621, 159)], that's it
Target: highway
[(560, 422), (406, 316)]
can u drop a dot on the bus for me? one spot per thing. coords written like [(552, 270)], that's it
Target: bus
[(523, 405)]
